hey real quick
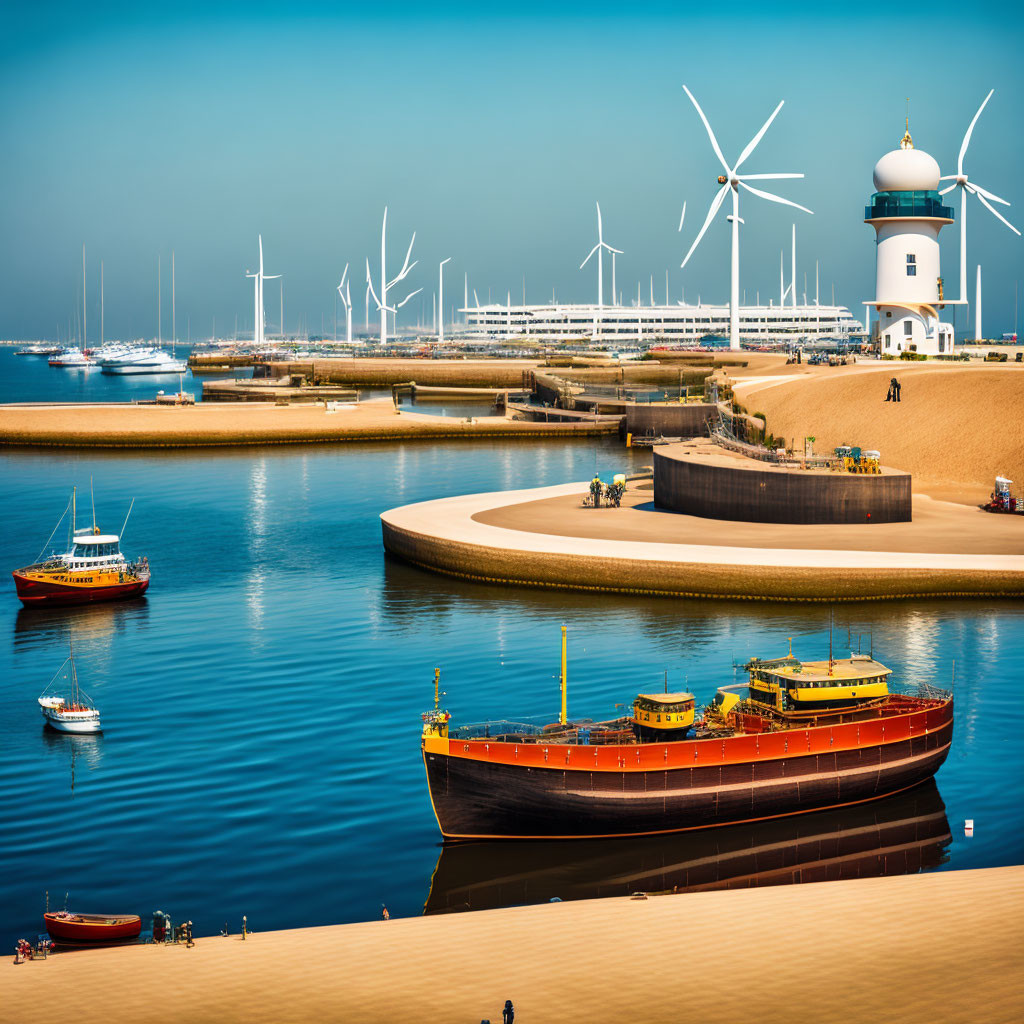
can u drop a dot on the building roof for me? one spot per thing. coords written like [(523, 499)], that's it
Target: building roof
[(906, 170)]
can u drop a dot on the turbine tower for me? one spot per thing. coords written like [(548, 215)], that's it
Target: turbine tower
[(732, 182), (259, 317), (385, 284), (601, 245), (345, 293), (960, 181), (440, 300)]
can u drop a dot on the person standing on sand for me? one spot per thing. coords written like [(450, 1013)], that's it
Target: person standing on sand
[(508, 1014), (897, 387), (892, 389)]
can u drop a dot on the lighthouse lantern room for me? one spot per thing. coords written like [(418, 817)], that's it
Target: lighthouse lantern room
[(907, 214)]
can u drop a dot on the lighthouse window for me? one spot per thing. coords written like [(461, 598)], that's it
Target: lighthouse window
[(908, 328), (911, 265)]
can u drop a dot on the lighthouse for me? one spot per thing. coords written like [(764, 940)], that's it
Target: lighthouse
[(907, 214)]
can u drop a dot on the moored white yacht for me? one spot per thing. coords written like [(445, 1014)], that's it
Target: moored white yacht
[(64, 704), (152, 361), (72, 359)]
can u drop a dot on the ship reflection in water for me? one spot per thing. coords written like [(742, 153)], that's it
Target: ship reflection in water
[(900, 835)]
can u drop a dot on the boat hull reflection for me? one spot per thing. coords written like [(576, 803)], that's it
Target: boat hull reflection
[(902, 834)]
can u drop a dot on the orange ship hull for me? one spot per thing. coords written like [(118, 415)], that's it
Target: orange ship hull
[(36, 589)]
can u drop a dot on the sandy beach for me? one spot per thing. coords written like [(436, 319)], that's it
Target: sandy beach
[(954, 428), (914, 948), (223, 423)]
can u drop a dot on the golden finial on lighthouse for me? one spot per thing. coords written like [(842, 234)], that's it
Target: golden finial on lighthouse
[(907, 142)]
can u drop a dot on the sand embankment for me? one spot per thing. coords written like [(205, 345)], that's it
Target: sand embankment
[(955, 429), (222, 423), (912, 948)]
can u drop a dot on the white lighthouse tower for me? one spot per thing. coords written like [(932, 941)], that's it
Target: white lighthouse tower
[(907, 214)]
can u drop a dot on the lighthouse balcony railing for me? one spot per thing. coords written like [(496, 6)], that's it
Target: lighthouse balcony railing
[(907, 204)]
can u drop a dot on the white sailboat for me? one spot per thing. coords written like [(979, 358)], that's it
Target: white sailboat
[(65, 706)]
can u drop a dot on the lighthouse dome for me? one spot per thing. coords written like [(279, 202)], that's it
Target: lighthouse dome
[(906, 170)]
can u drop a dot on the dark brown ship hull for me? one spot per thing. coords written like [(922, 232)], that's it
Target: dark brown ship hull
[(486, 797)]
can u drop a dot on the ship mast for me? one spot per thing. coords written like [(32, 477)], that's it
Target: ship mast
[(562, 718)]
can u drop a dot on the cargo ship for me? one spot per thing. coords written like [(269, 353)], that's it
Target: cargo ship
[(93, 569), (796, 737)]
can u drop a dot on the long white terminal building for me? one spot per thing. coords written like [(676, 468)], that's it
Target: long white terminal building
[(759, 325)]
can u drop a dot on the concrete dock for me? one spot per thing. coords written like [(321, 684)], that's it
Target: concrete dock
[(543, 537)]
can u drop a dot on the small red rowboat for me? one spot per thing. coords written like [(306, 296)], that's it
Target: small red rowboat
[(67, 927)]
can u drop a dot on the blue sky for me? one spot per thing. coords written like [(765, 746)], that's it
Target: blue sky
[(193, 127)]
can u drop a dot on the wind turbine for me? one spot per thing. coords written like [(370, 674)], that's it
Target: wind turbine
[(732, 182), (259, 319), (385, 284), (440, 300), (601, 244), (345, 293), (961, 182)]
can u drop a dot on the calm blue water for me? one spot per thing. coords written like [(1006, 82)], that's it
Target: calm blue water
[(261, 706)]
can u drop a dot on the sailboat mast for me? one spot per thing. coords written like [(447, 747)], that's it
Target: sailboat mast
[(74, 509), (92, 499)]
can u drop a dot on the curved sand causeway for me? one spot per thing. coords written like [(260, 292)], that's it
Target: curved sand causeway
[(226, 423), (543, 537)]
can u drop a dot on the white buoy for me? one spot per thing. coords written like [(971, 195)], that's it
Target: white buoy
[(969, 827)]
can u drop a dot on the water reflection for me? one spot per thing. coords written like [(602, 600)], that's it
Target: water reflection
[(900, 835), (81, 752), (83, 623)]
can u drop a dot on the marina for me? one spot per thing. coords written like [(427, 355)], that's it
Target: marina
[(496, 583)]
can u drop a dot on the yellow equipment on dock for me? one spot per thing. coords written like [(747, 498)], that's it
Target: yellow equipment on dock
[(849, 459)]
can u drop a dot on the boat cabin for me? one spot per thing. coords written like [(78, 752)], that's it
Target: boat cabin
[(658, 716), (789, 685), (91, 549)]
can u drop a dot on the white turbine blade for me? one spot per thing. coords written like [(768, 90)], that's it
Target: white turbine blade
[(711, 134), (767, 177), (605, 245), (715, 206), (774, 198), (973, 186), (408, 297), (948, 188), (996, 213), (752, 144), (589, 254), (406, 266), (600, 234), (967, 137), (271, 277), (682, 217), (476, 298)]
